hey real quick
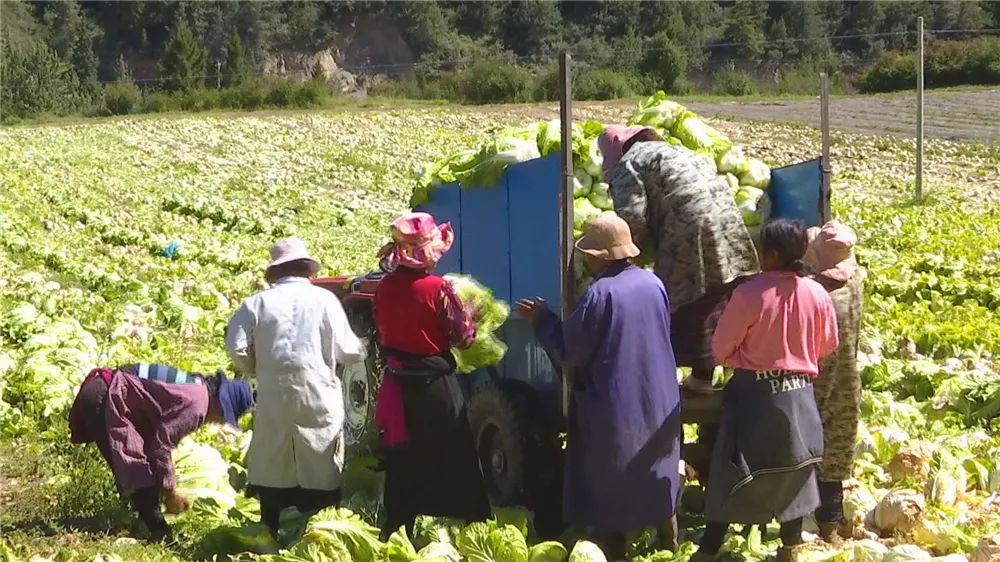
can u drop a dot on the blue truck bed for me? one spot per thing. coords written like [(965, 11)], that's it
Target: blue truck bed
[(508, 238)]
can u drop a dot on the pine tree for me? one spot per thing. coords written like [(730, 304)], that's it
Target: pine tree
[(743, 27), (806, 23), (665, 60), (184, 62), (318, 72), (72, 35), (236, 70), (123, 73)]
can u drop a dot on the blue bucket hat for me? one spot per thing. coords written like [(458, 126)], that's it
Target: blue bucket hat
[(235, 398)]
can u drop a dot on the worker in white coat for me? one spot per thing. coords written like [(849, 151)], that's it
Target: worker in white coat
[(291, 337)]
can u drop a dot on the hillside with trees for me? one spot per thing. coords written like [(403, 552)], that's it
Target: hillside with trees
[(64, 56)]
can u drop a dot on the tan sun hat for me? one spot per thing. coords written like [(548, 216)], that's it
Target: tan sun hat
[(289, 250), (831, 251), (608, 237)]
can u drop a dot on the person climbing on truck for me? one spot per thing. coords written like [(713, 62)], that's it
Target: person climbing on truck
[(623, 432), (683, 217), (136, 414), (290, 337), (431, 465), (773, 332), (838, 387)]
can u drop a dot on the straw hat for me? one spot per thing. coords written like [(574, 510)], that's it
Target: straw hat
[(289, 250), (831, 251), (608, 237)]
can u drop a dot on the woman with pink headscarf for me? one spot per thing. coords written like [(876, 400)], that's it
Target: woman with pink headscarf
[(683, 217), (431, 465), (838, 388)]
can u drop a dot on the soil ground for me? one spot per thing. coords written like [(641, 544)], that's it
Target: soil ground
[(954, 115)]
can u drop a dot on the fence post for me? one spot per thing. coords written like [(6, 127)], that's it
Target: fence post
[(824, 127), (920, 110), (566, 247)]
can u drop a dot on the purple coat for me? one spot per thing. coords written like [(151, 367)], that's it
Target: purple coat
[(624, 434)]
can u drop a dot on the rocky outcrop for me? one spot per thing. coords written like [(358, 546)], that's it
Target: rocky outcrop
[(299, 66)]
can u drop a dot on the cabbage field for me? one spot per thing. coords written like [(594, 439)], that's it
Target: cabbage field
[(128, 240)]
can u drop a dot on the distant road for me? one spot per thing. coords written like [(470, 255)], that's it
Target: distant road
[(958, 115)]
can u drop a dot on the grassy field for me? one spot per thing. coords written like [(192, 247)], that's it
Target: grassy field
[(90, 207)]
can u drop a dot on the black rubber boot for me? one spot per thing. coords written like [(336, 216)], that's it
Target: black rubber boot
[(146, 502)]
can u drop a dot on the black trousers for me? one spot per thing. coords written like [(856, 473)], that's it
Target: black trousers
[(145, 501), (831, 502), (275, 500)]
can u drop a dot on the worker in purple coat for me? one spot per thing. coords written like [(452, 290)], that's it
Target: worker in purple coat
[(623, 442)]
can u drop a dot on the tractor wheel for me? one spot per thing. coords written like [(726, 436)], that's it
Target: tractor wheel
[(361, 382), (498, 425)]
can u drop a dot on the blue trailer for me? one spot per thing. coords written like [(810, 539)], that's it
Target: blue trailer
[(510, 238)]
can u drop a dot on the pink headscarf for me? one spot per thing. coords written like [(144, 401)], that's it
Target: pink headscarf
[(612, 143), (417, 242)]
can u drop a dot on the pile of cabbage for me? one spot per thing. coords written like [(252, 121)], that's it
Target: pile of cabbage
[(482, 166), (339, 535)]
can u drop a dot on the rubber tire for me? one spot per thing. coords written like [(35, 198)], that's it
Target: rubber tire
[(363, 325), (494, 414)]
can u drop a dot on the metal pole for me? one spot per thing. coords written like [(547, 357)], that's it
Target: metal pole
[(824, 125), (566, 246), (920, 109)]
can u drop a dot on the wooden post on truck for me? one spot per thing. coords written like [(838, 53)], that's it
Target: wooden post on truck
[(824, 127), (920, 110), (566, 246)]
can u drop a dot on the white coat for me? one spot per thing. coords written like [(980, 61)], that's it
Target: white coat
[(291, 337)]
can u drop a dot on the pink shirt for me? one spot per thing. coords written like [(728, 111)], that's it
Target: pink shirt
[(777, 320)]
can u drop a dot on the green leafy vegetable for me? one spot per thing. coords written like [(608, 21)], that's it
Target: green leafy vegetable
[(490, 542), (487, 349)]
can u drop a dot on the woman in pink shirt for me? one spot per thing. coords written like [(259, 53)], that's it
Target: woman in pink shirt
[(772, 333)]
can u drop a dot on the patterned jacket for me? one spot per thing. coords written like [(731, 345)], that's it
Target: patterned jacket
[(683, 214)]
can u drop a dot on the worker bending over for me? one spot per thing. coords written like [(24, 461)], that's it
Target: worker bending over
[(683, 216), (136, 414)]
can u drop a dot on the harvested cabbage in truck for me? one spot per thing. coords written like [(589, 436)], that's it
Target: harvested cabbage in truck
[(583, 213), (483, 165), (699, 136), (657, 111), (601, 198), (582, 182), (757, 174)]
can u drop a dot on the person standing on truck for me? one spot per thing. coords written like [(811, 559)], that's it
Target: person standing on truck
[(773, 333), (431, 464), (838, 387), (291, 337), (683, 217), (136, 414), (624, 429)]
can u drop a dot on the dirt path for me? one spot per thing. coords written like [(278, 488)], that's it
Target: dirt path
[(956, 115)]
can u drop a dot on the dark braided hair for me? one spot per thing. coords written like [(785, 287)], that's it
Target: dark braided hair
[(212, 383), (787, 238)]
